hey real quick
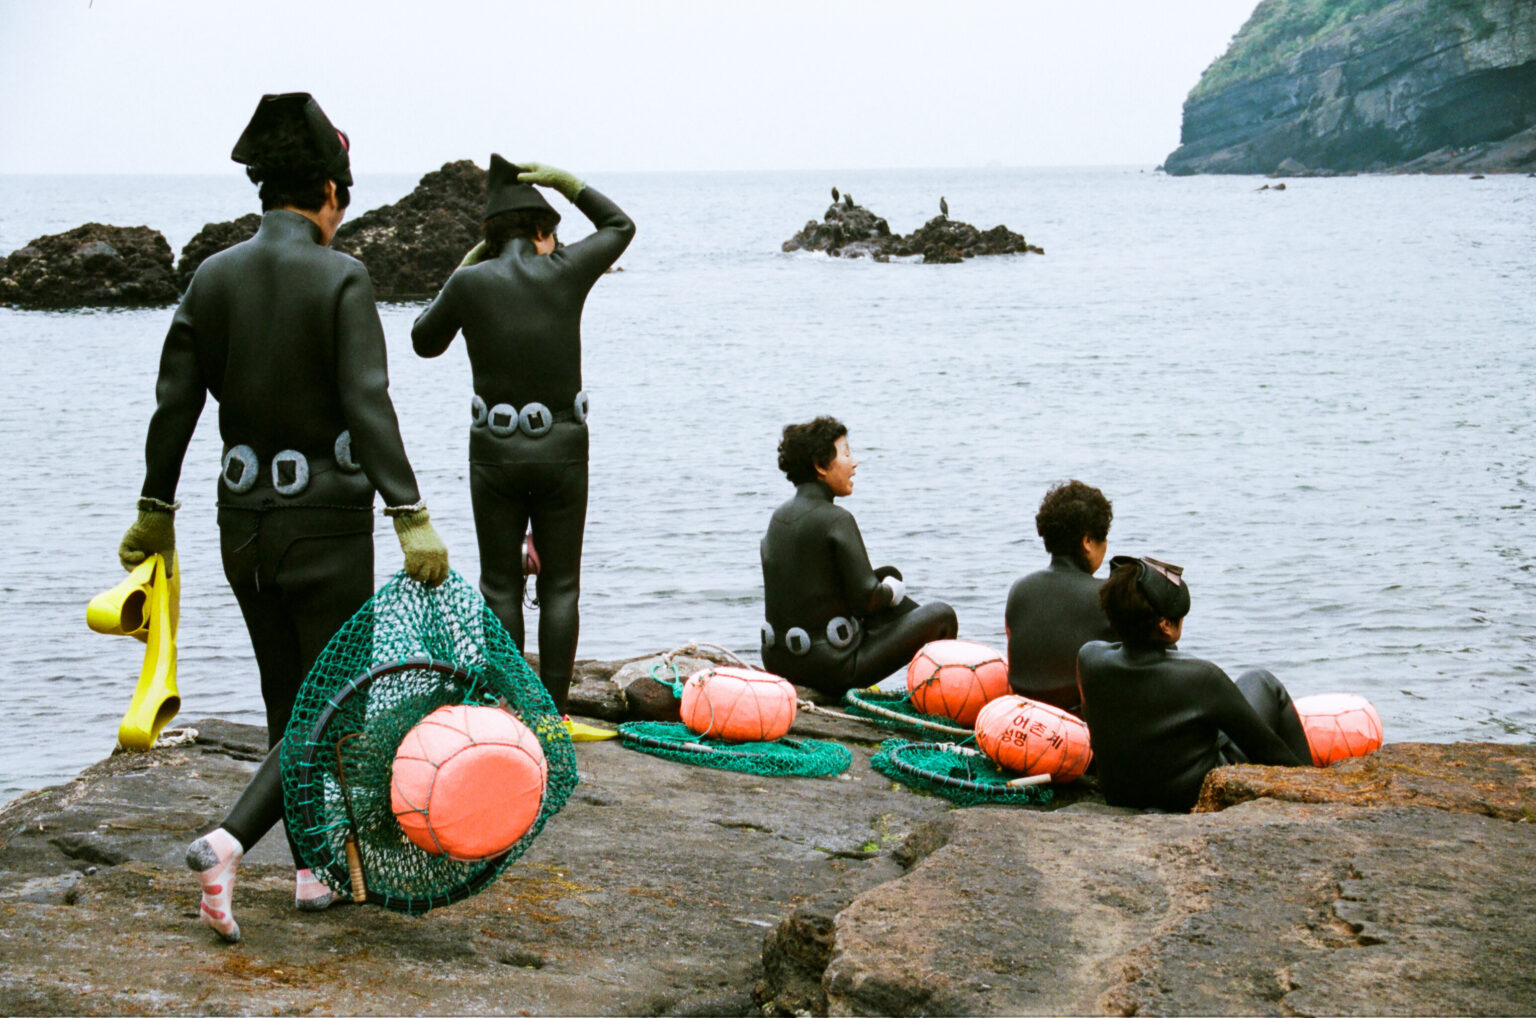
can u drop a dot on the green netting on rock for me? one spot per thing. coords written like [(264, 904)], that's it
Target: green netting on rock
[(407, 652), (895, 710), (781, 757), (959, 773)]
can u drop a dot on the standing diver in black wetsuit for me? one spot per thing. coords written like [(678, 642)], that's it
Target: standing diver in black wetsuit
[(1160, 720), (833, 623), (518, 297), (1053, 612), (283, 332)]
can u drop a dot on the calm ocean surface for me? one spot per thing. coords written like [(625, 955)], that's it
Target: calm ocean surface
[(1319, 401)]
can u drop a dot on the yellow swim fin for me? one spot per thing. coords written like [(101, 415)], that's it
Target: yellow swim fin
[(588, 733), (145, 606)]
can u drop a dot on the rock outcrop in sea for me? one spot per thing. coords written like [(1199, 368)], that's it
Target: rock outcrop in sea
[(1311, 88), (210, 240), (413, 246), (849, 230), (91, 265), (1395, 884)]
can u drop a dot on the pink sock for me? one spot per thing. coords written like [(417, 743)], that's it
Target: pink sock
[(213, 857), (310, 893)]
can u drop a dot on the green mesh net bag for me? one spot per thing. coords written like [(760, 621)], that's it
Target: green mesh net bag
[(959, 773), (895, 710), (785, 757), (407, 652)]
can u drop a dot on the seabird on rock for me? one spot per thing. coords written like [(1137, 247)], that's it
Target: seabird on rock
[(835, 195), (848, 201), (943, 207)]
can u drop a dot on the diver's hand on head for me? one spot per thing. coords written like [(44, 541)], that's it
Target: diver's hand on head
[(426, 556), (550, 176), (153, 533), (475, 255)]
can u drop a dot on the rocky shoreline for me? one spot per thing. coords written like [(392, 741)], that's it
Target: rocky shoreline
[(1397, 883), (1369, 86)]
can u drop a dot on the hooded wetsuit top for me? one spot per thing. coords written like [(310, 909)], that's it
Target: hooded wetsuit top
[(521, 317), (1050, 615), (284, 333), (1156, 718)]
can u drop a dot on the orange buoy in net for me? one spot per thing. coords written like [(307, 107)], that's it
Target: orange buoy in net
[(468, 782), (954, 678), (1020, 734), (738, 704), (1339, 726)]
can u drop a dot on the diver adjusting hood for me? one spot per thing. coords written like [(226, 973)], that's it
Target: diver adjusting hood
[(1161, 583), (300, 108), (503, 193)]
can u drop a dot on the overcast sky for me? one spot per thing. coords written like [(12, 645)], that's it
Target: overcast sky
[(164, 86)]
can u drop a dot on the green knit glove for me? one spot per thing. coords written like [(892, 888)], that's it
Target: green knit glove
[(549, 176), (153, 533), (426, 556), (475, 256)]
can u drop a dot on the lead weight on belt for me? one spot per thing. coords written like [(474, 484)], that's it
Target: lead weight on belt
[(768, 635), (797, 641), (502, 419), (535, 420), (580, 407), (840, 632), (290, 472), (344, 458), (239, 469), (478, 412)]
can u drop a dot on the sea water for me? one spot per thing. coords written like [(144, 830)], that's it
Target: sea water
[(1319, 401)]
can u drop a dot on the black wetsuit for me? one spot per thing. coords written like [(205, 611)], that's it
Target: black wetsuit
[(1160, 720), (815, 570), (1050, 615), (283, 332), (521, 317)]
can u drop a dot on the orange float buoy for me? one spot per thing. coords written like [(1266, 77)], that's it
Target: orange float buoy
[(955, 678), (738, 704), (468, 782), (1020, 734), (1339, 726)]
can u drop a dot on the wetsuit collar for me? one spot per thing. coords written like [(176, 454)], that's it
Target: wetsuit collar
[(814, 489), (1075, 563), (518, 247), (281, 224)]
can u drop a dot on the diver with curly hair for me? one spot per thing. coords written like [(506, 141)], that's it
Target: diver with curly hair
[(833, 622), (283, 333), (1159, 719), (518, 297), (1053, 612)]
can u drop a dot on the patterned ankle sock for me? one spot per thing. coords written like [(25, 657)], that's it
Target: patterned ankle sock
[(213, 858), (310, 894)]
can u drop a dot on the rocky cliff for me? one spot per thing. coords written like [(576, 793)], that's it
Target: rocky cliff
[(1369, 85)]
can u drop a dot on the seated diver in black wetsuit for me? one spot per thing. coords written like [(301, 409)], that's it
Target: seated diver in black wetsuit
[(833, 623), (1053, 612), (1160, 720), (518, 298)]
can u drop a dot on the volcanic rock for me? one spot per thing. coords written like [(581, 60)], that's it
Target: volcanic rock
[(210, 240), (413, 246), (852, 231), (1494, 779), (91, 265), (1368, 85)]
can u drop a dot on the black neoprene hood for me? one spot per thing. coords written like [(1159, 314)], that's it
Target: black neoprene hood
[(299, 106), (504, 194), (1161, 583)]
